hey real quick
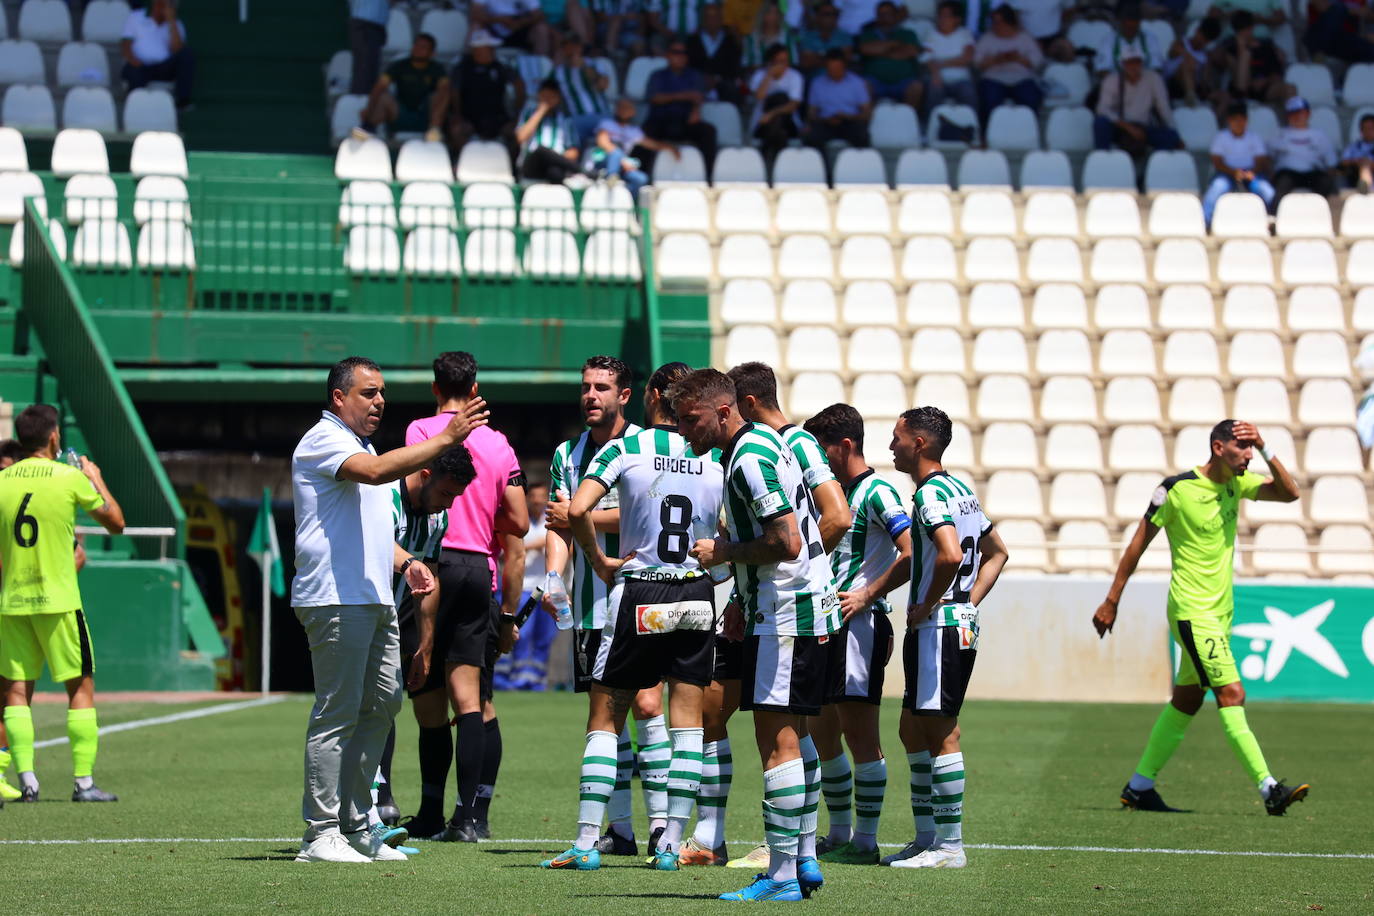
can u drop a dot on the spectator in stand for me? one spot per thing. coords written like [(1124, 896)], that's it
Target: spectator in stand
[(715, 54), (675, 94), (479, 104), (1269, 14), (153, 45), (670, 20), (1358, 158), (1304, 157), (367, 21), (777, 90), (1189, 68), (838, 105), (545, 135), (518, 23), (420, 101), (857, 15), (1133, 110), (568, 17), (771, 30), (1009, 61), (1335, 27), (891, 55), (583, 88), (618, 25), (1240, 159), (949, 56), (623, 150), (1128, 35), (827, 36), (1044, 20), (1257, 64)]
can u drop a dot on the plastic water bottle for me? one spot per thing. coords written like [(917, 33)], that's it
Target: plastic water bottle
[(557, 593), (69, 456), (704, 528)]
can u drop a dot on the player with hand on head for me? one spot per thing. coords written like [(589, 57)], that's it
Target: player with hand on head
[(661, 616), (956, 557), (606, 387), (786, 610), (40, 603), (756, 392), (1198, 510), (872, 559)]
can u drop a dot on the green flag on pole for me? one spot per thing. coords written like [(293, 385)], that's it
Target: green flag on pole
[(263, 545)]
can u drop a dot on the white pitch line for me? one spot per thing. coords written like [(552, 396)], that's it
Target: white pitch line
[(1004, 847), (174, 717)]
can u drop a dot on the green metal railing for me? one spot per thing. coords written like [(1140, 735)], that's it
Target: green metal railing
[(75, 354)]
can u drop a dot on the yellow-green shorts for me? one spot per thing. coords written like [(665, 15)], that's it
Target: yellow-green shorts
[(1206, 660), (26, 640)]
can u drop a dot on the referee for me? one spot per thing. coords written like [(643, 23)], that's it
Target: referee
[(40, 603), (342, 595)]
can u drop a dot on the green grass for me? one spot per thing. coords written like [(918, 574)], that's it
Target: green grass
[(1039, 774)]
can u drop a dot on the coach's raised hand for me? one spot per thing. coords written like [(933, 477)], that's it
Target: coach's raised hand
[(473, 415)]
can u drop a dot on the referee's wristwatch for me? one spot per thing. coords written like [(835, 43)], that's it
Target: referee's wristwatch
[(406, 565)]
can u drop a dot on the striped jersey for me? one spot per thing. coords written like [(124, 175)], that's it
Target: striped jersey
[(588, 592), (682, 17), (943, 499), (555, 130), (420, 534), (615, 7), (668, 496), (580, 95), (815, 470), (868, 548), (763, 481), (755, 46)]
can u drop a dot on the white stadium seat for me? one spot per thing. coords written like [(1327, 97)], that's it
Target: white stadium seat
[(998, 350), (1309, 261), (933, 303), (875, 349), (166, 245), (1069, 129), (420, 160), (1054, 260), (1170, 170), (960, 115), (637, 77), (399, 35), (795, 165), (884, 394), (1137, 447), (1362, 315), (748, 301), (937, 350), (489, 205), (1281, 547), (1182, 261), (859, 167), (1345, 549), (1077, 495), (1025, 540), (607, 206), (739, 165), (1126, 352), (102, 244), (1122, 305), (366, 203), (1339, 499), (82, 63), (347, 113), (1013, 127), (161, 197), (158, 153), (428, 203), (987, 213), (681, 209), (1009, 445), (1046, 169), (929, 258), (1081, 555), (484, 161), (1191, 353), (28, 108), (1186, 306), (814, 348), (740, 210), (21, 62), (1357, 214), (894, 127), (1325, 402), (1315, 308), (90, 197), (1264, 121), (1050, 213), (687, 167), (489, 252), (809, 302), (1073, 81), (866, 257), (1196, 126), (363, 159), (745, 256), (1245, 261), (1108, 169), (987, 259), (683, 259), (862, 211), (925, 213), (996, 305), (450, 31), (1173, 214), (1118, 261), (545, 206), (552, 253), (1303, 216), (984, 168), (1005, 397), (15, 187), (802, 210), (1250, 308), (1359, 263), (752, 343), (1196, 400), (79, 151), (949, 391), (149, 109), (726, 120), (805, 256), (1321, 354), (611, 254), (1240, 215), (1073, 447), (920, 168), (1112, 213), (1063, 351), (1068, 399), (1312, 82), (1059, 305), (1332, 450), (1359, 86), (45, 20), (14, 156), (1133, 491), (811, 392), (103, 21), (1014, 494), (55, 232), (1256, 354)]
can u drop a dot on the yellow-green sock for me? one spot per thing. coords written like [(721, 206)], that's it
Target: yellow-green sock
[(4, 760), (84, 735), (1243, 743), (1165, 738), (19, 724)]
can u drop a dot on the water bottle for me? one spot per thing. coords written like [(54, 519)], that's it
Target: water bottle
[(705, 528), (69, 456), (557, 593)]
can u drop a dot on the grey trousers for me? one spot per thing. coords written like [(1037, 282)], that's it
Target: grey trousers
[(355, 652)]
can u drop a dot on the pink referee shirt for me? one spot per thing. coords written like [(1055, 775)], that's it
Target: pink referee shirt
[(472, 518)]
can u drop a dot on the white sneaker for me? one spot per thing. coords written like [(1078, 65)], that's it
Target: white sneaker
[(935, 858), (330, 847), (909, 851), (369, 843)]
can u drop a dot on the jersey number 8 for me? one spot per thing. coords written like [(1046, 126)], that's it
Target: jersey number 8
[(675, 515)]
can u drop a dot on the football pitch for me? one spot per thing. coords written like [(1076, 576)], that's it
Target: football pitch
[(209, 822)]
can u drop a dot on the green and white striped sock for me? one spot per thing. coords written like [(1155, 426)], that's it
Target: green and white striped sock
[(837, 785), (784, 800), (684, 779), (717, 771), (870, 784), (811, 768), (622, 804), (598, 780), (921, 811), (947, 784), (655, 753)]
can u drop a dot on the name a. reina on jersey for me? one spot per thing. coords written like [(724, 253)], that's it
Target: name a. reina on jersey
[(679, 465)]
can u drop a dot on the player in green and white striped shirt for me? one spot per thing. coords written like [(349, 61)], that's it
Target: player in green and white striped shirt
[(546, 137), (872, 559), (584, 90), (606, 386), (419, 518), (956, 559), (787, 610), (674, 18), (771, 30)]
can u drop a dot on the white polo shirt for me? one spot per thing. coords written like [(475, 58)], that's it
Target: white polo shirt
[(1238, 152), (344, 543), (151, 42)]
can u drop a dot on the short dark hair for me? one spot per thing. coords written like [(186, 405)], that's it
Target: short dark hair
[(34, 425), (837, 54), (1224, 431), (433, 42), (341, 375), (934, 422), (1237, 108), (551, 83), (950, 5), (1008, 14), (1242, 20), (624, 375), (701, 384), (756, 380), (836, 422), (885, 3), (12, 451), (663, 379), (456, 463), (455, 372), (774, 50), (1128, 10), (1209, 28), (1364, 119)]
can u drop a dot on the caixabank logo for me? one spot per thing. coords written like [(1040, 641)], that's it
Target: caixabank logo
[(1305, 642)]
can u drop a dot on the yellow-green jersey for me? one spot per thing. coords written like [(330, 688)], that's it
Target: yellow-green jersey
[(1199, 516), (39, 499)]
